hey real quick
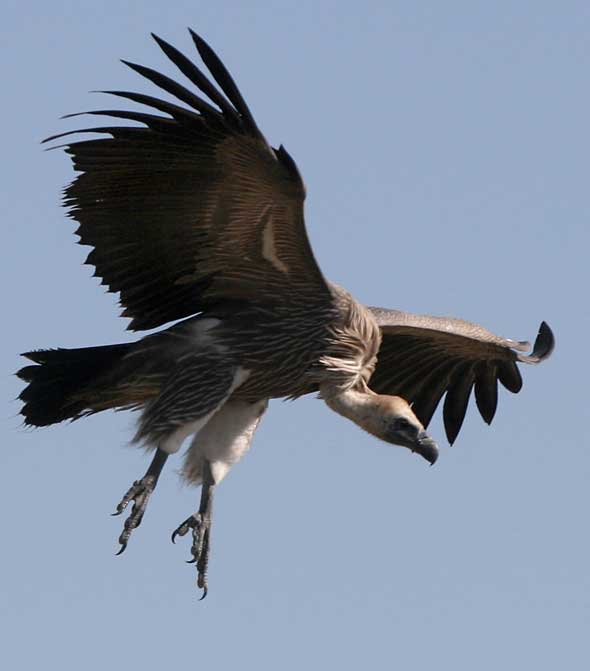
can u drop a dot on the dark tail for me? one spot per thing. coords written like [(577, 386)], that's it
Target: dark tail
[(58, 382)]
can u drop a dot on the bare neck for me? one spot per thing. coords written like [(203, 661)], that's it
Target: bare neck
[(358, 406)]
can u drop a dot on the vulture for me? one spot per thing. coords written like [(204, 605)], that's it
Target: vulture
[(198, 224)]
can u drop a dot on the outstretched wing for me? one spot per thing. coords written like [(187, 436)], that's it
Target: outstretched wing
[(422, 357), (192, 207)]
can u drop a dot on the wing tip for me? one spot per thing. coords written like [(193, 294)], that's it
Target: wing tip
[(197, 39), (166, 47), (545, 341), (543, 346)]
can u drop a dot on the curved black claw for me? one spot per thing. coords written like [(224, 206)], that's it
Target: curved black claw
[(139, 492), (121, 549), (201, 526), (182, 529)]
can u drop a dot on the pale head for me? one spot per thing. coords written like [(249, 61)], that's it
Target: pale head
[(389, 418), (394, 422)]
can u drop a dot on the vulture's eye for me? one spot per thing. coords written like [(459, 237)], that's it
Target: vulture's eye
[(403, 424)]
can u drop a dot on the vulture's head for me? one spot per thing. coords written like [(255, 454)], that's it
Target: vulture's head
[(389, 418), (393, 420)]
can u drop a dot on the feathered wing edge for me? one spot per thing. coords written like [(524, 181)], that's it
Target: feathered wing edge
[(165, 297), (231, 111), (158, 284), (423, 358)]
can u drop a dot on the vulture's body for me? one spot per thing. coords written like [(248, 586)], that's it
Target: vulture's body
[(192, 216)]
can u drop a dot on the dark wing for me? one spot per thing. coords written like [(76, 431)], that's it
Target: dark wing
[(193, 207), (422, 357)]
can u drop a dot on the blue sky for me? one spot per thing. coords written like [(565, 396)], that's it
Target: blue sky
[(445, 150)]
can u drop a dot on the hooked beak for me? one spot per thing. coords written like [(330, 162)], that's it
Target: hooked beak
[(426, 447)]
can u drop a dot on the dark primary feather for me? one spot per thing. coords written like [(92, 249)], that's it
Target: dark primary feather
[(223, 78), (423, 358), (191, 208), (486, 390), (192, 72), (173, 88)]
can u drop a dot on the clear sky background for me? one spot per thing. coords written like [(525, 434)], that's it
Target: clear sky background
[(445, 147)]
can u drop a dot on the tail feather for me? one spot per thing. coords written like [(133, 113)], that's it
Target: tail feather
[(59, 379)]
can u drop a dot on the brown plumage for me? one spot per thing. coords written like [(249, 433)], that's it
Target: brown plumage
[(191, 215)]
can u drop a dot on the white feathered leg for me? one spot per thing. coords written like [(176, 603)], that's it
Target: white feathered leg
[(220, 444)]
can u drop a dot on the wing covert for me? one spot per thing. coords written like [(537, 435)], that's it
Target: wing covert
[(192, 207), (422, 358)]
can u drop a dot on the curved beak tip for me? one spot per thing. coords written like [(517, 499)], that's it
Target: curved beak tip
[(427, 448)]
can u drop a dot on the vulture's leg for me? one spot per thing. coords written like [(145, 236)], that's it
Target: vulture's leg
[(216, 447), (200, 523), (140, 492)]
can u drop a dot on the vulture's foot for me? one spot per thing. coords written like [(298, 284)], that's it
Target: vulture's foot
[(201, 530), (200, 523), (139, 492)]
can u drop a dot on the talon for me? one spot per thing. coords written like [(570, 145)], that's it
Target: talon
[(121, 507), (139, 492), (202, 584), (200, 526), (181, 530)]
